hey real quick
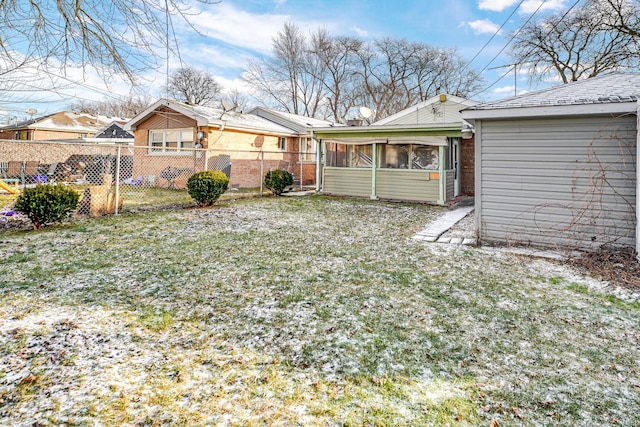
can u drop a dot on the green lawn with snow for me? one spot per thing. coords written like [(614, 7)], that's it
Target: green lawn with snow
[(302, 311)]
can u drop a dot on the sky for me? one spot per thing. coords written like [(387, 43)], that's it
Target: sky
[(234, 31)]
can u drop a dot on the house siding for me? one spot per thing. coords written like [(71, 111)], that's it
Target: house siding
[(449, 184), (412, 185), (347, 182), (557, 182)]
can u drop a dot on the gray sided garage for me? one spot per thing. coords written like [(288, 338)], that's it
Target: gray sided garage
[(558, 168)]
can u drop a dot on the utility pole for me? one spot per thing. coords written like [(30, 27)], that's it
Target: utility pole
[(515, 75)]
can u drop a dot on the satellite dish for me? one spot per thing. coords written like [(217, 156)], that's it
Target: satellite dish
[(365, 112), (31, 111), (226, 105)]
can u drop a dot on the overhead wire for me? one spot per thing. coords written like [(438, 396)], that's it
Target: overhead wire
[(513, 37), (515, 9)]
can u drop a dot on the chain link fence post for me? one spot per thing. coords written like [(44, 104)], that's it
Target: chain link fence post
[(117, 195)]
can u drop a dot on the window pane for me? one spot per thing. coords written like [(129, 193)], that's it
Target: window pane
[(156, 139), (394, 156), (425, 157), (307, 147), (187, 136), (336, 155), (361, 156)]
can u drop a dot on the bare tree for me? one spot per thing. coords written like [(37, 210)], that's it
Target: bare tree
[(325, 76), (115, 36), (193, 86), (576, 44), (127, 107), (238, 99), (337, 59), (283, 78), (396, 74), (625, 15)]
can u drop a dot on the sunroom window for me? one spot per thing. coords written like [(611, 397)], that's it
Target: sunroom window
[(170, 140)]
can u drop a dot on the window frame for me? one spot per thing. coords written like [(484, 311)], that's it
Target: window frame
[(164, 148), (307, 148), (282, 143)]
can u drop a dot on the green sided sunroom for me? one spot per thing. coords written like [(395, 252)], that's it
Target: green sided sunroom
[(395, 163)]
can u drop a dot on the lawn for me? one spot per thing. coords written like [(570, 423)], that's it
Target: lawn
[(302, 311), (144, 197)]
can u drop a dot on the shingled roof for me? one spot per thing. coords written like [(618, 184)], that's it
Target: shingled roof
[(614, 88)]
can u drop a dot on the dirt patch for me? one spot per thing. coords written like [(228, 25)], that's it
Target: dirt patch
[(619, 267)]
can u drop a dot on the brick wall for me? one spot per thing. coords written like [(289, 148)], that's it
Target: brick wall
[(48, 152), (247, 150), (467, 166)]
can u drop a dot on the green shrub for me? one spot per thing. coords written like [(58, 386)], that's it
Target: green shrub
[(207, 186), (47, 203), (277, 180)]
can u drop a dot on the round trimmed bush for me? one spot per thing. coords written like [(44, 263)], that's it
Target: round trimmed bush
[(47, 203), (277, 180), (207, 186)]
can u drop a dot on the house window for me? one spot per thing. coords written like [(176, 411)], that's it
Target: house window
[(349, 156), (307, 149), (336, 155), (394, 156), (170, 140), (397, 156), (425, 157), (282, 143)]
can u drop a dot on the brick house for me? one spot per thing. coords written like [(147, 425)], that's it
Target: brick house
[(64, 125), (248, 144)]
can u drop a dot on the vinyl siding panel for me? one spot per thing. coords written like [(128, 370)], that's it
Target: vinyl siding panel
[(449, 184), (558, 182), (402, 184), (347, 181)]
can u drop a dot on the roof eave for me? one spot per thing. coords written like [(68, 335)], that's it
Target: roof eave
[(445, 129), (550, 111)]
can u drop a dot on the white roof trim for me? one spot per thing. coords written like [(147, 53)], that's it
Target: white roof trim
[(419, 140), (550, 111)]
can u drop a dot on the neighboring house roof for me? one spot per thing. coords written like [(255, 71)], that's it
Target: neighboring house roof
[(64, 121), (216, 117), (300, 124), (114, 130), (610, 93), (438, 109)]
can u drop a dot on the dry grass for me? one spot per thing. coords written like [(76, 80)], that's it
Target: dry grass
[(312, 311)]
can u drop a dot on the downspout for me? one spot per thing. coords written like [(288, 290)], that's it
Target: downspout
[(441, 172), (638, 180), (374, 162)]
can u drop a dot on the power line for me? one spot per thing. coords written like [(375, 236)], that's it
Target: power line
[(511, 39), (493, 36)]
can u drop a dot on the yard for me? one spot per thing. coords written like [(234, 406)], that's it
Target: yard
[(303, 311)]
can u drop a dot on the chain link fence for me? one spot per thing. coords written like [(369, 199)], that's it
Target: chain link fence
[(119, 178)]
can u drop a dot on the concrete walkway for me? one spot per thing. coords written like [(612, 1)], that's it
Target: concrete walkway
[(438, 227)]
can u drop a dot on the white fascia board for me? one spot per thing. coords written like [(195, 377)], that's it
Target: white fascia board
[(132, 124), (551, 111)]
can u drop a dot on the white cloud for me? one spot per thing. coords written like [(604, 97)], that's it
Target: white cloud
[(495, 5), (504, 90), (240, 28), (530, 6), (359, 31), (483, 26)]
